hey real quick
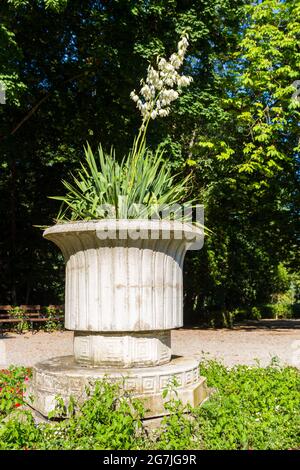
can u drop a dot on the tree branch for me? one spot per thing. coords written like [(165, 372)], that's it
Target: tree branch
[(38, 104)]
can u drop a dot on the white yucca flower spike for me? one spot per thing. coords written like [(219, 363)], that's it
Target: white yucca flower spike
[(162, 86)]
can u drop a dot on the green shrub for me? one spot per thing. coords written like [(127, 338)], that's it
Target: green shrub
[(52, 324), (12, 386), (109, 419), (277, 310), (178, 430), (255, 313), (19, 313), (20, 432), (253, 408)]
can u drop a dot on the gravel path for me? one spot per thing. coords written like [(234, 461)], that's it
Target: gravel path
[(241, 345)]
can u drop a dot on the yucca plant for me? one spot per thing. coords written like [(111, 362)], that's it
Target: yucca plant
[(134, 188), (141, 185)]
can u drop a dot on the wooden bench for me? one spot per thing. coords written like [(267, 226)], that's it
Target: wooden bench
[(31, 314)]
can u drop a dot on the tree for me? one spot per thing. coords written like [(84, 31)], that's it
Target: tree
[(69, 67), (251, 163)]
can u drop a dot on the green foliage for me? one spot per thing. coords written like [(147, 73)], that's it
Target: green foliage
[(269, 74), (135, 188), (68, 74), (251, 408), (178, 430), (285, 297), (248, 166), (10, 78), (20, 432), (55, 5), (52, 324), (19, 313), (108, 419), (12, 385)]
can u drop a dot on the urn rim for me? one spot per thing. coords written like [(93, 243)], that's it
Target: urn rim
[(187, 230)]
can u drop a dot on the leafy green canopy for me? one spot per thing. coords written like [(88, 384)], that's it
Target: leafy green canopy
[(71, 71), (246, 160)]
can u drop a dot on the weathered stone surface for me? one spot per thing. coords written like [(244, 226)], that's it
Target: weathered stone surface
[(64, 377), (193, 395), (123, 349)]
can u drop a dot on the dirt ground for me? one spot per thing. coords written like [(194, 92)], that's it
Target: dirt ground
[(244, 344)]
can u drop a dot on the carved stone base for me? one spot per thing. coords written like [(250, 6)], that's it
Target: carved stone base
[(128, 349), (63, 377)]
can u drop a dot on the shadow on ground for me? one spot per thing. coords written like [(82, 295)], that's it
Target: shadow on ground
[(250, 325)]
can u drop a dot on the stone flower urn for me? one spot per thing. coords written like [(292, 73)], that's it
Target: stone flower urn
[(123, 296)]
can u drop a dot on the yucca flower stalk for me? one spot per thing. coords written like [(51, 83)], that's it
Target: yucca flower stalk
[(161, 87)]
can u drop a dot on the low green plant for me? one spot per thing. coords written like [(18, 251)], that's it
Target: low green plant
[(52, 324), (178, 430), (12, 385), (20, 432), (250, 408), (108, 419), (255, 313), (19, 313)]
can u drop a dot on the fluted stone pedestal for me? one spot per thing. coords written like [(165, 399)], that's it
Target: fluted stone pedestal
[(123, 297)]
